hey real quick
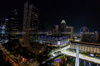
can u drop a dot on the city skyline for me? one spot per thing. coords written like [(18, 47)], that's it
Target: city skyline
[(75, 13), (49, 33)]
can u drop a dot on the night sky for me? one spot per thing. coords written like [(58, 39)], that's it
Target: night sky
[(77, 13)]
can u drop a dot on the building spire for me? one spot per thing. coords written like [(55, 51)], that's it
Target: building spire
[(63, 21)]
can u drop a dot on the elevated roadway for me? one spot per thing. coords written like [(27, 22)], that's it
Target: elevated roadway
[(81, 56), (73, 54)]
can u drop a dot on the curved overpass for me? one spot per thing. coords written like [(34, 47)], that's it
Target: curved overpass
[(81, 56)]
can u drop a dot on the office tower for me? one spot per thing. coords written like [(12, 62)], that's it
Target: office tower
[(25, 25), (30, 23), (69, 31), (7, 26), (56, 30), (87, 36), (12, 25), (33, 22), (66, 30), (63, 26)]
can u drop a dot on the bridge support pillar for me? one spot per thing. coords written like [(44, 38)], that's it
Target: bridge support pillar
[(89, 64), (84, 63), (79, 61), (73, 59), (70, 57), (77, 55)]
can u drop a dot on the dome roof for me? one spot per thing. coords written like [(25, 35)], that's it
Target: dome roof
[(63, 21)]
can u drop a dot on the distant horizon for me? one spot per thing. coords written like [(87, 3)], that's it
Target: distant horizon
[(75, 13)]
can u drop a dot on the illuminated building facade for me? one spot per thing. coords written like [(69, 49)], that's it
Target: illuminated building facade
[(66, 30), (69, 31), (89, 37), (30, 23), (33, 23), (63, 26), (54, 40), (7, 26), (86, 48), (55, 30), (12, 25)]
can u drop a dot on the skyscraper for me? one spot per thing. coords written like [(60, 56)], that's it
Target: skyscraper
[(63, 26), (30, 23), (7, 26), (56, 30), (66, 30), (33, 20), (25, 26), (12, 25)]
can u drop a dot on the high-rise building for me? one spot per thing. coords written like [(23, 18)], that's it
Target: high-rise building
[(30, 23), (25, 25), (33, 12), (12, 25), (63, 26), (69, 31), (66, 30), (7, 26), (55, 30)]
